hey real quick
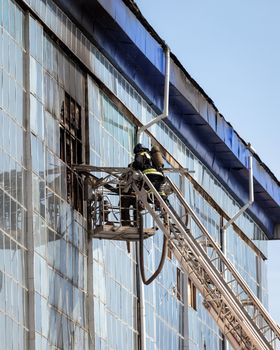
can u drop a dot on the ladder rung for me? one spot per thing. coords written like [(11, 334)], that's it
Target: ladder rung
[(264, 327), (232, 328), (256, 316), (229, 282), (247, 302), (198, 238), (214, 259), (212, 291), (227, 313), (273, 339), (238, 295)]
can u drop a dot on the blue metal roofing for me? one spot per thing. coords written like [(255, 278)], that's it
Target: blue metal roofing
[(122, 33)]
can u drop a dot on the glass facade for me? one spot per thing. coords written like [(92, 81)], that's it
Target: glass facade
[(13, 286), (57, 95), (53, 114)]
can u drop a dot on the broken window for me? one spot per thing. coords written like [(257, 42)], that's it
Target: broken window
[(71, 150)]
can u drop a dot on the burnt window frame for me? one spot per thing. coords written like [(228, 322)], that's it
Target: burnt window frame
[(71, 148)]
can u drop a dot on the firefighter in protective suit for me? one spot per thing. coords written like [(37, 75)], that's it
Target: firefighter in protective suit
[(151, 164)]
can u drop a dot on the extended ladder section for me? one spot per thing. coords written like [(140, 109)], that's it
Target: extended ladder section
[(237, 311)]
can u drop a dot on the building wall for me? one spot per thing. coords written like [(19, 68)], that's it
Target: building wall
[(83, 293), (13, 257)]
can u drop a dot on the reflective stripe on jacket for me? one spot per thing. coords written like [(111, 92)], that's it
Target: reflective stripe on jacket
[(152, 171)]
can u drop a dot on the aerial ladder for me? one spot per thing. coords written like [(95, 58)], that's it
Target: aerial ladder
[(237, 311)]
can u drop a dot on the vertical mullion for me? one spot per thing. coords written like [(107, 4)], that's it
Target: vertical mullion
[(28, 196)]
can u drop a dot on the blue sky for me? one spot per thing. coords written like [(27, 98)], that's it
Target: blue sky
[(232, 49)]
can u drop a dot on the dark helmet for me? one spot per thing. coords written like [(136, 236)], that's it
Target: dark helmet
[(138, 148)]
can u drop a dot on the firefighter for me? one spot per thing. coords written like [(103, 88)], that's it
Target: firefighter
[(143, 161), (151, 165), (128, 200), (142, 158)]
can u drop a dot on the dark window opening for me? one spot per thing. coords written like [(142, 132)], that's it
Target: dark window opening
[(191, 294), (71, 149), (179, 284), (169, 253)]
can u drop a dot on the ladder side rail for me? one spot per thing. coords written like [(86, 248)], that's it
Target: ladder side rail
[(117, 172), (227, 263), (241, 315), (224, 322), (228, 297)]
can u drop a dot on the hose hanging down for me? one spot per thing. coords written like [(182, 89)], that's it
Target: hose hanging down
[(141, 262)]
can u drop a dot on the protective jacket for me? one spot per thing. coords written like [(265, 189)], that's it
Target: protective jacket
[(143, 162)]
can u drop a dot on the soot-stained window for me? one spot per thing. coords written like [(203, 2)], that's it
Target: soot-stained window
[(71, 150)]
